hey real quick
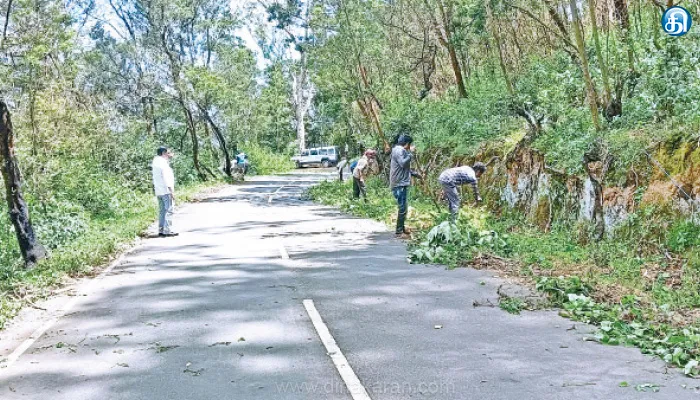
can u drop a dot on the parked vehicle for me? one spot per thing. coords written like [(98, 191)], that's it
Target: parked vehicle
[(323, 156)]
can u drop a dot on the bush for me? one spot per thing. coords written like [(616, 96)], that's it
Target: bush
[(9, 251), (560, 288), (451, 244), (683, 235), (59, 223), (264, 161)]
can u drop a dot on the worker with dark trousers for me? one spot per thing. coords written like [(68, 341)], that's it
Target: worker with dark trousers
[(400, 179)]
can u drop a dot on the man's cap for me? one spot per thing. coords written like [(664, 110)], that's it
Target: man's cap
[(479, 166), (161, 150), (405, 139), (371, 153)]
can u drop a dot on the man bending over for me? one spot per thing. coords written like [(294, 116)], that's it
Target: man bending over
[(453, 177)]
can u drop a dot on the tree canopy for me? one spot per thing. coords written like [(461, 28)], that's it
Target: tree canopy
[(94, 86)]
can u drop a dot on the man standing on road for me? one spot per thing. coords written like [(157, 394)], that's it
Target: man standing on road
[(164, 185), (364, 166), (400, 178), (453, 177)]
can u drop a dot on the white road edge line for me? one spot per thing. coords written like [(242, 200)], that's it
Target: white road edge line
[(7, 363), (357, 391)]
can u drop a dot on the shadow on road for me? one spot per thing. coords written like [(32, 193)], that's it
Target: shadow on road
[(217, 314)]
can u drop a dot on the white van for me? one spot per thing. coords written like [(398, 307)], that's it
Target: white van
[(323, 156)]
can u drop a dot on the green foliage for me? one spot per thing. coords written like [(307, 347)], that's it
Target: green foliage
[(512, 305), (558, 289), (647, 387), (652, 74), (452, 244), (9, 250), (625, 324), (682, 235), (90, 104), (60, 223), (380, 205), (79, 244), (273, 113), (461, 127), (630, 322), (265, 161)]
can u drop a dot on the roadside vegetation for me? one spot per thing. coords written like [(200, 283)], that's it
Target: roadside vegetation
[(636, 296), (586, 112), (91, 90), (85, 228)]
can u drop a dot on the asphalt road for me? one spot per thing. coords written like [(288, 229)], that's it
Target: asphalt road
[(218, 313)]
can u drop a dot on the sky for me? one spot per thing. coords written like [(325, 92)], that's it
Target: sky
[(253, 8), (255, 12), (250, 8)]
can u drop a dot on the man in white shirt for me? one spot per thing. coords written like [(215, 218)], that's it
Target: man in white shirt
[(164, 185)]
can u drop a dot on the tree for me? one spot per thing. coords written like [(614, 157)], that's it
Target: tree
[(607, 93), (441, 15), (596, 163), (292, 18), (274, 115), (495, 28), (30, 247), (184, 44), (583, 57)]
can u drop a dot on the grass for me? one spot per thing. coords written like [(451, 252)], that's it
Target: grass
[(663, 273), (641, 286), (86, 254), (86, 229), (95, 246)]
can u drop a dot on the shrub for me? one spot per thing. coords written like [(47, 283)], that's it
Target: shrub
[(683, 235), (264, 161)]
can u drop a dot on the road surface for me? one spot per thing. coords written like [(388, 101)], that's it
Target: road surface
[(243, 304)]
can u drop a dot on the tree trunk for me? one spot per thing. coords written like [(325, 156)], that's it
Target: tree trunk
[(32, 121), (607, 96), (581, 48), (495, 28), (302, 96), (454, 61), (300, 116), (447, 12), (192, 129), (622, 15), (221, 139), (174, 66), (557, 19), (32, 250), (444, 36), (370, 105), (596, 162), (149, 116)]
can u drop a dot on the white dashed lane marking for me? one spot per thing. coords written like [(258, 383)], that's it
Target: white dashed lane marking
[(283, 252)]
